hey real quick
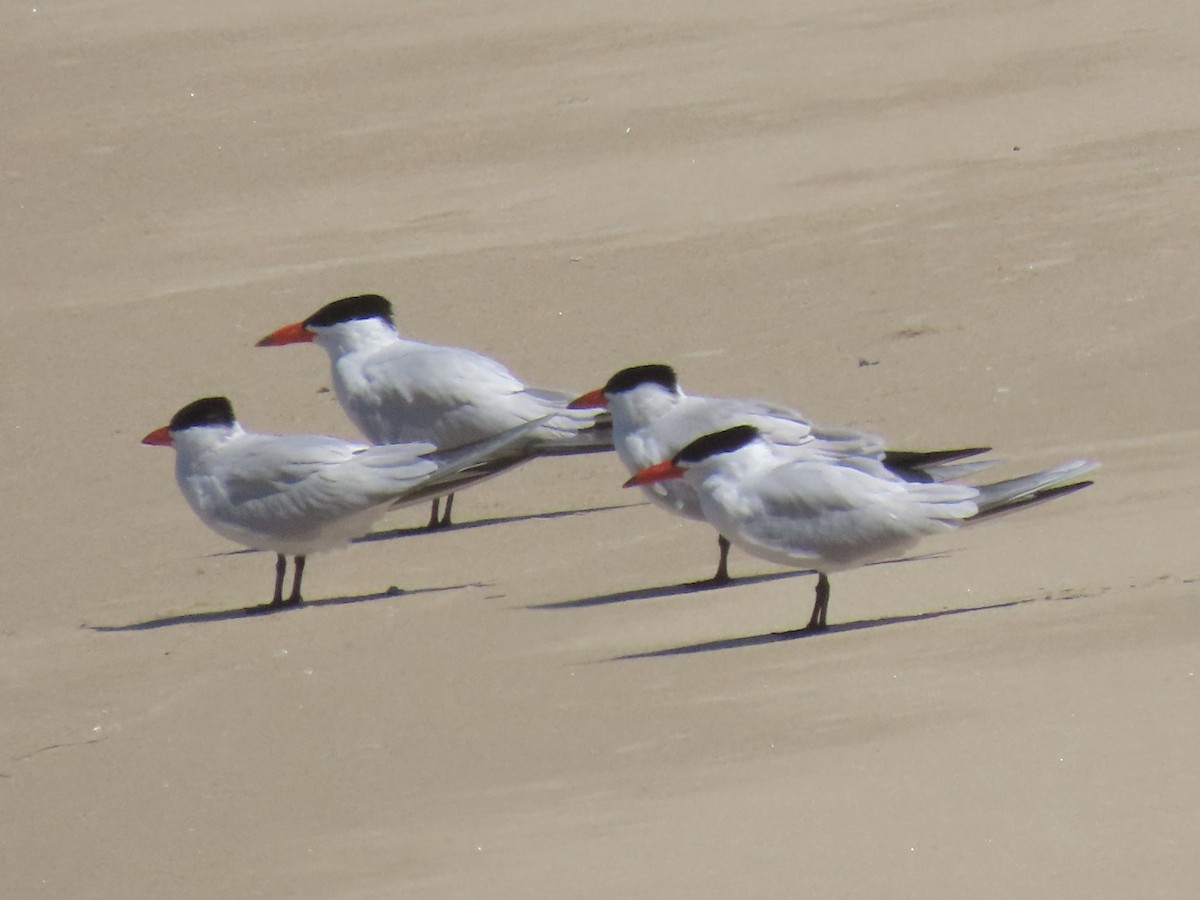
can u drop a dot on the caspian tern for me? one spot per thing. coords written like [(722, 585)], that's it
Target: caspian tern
[(297, 494), (396, 390), (827, 513), (653, 419)]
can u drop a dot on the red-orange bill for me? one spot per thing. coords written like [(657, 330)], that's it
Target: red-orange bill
[(159, 437), (288, 334), (591, 400), (663, 471)]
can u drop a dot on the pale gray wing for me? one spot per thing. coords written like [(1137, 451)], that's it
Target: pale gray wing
[(453, 396), (844, 513), (778, 424), (294, 484), (848, 441)]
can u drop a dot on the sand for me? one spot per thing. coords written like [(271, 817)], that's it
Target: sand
[(951, 223)]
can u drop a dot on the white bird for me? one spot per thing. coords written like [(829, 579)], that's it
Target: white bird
[(653, 419), (396, 390), (828, 513), (298, 494)]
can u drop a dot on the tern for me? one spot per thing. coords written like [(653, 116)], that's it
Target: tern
[(298, 494), (814, 511), (397, 390), (653, 419)]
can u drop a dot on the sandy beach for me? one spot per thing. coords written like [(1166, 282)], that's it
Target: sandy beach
[(951, 224)]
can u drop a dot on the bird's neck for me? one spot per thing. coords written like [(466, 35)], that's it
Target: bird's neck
[(642, 405), (194, 447), (358, 336)]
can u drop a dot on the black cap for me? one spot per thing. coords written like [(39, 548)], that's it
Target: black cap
[(722, 442), (205, 411), (635, 376), (348, 309)]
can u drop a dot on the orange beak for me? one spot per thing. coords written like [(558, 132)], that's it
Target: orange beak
[(591, 400), (159, 437), (663, 471), (288, 334)]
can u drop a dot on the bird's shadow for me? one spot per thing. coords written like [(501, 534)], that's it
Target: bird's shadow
[(695, 587), (666, 590), (393, 533), (223, 615), (774, 637)]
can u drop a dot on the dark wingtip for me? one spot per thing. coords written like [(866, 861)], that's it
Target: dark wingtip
[(348, 309), (909, 459), (721, 442), (1059, 490), (634, 376), (910, 464), (205, 411)]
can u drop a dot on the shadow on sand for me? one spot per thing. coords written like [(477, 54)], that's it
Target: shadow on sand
[(222, 615), (666, 590), (774, 637), (393, 533), (695, 587)]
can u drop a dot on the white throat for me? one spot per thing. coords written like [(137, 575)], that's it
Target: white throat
[(355, 336), (639, 407)]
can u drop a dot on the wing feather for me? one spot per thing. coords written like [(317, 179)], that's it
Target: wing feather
[(802, 512), (411, 391), (274, 491)]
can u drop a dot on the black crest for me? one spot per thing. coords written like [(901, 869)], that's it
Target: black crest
[(635, 376), (206, 411), (364, 306), (722, 442)]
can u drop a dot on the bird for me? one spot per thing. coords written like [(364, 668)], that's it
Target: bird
[(301, 493), (394, 389), (653, 419), (828, 513)]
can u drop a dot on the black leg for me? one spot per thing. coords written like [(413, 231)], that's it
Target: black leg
[(280, 571), (817, 621), (297, 574), (722, 576), (444, 522)]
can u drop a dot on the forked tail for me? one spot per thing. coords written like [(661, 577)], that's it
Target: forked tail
[(1016, 493), (595, 438), (475, 462)]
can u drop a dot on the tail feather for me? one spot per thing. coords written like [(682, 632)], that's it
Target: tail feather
[(952, 471), (596, 438), (448, 483), (569, 431), (1030, 499), (1015, 493), (474, 462)]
